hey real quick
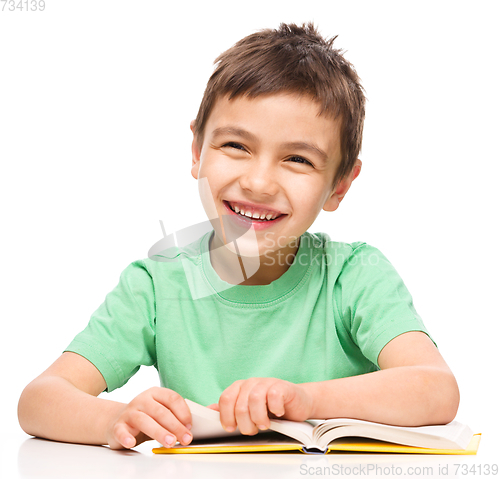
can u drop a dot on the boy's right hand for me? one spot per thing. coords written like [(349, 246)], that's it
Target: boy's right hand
[(158, 413)]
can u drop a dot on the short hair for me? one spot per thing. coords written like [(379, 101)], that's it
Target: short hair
[(291, 59)]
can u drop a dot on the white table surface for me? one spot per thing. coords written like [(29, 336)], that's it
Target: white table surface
[(26, 457)]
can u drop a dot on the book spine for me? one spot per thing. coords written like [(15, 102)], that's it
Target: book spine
[(313, 450)]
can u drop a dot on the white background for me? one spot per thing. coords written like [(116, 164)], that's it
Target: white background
[(95, 103)]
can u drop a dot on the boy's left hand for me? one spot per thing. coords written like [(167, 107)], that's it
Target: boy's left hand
[(248, 404)]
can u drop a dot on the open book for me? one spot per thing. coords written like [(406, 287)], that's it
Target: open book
[(322, 436)]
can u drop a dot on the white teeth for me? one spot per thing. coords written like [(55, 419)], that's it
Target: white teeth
[(255, 215)]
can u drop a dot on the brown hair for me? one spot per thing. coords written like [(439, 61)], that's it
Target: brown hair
[(292, 59)]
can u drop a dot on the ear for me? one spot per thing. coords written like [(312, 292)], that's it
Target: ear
[(342, 188), (196, 152)]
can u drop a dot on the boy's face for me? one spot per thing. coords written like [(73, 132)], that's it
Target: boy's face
[(273, 151)]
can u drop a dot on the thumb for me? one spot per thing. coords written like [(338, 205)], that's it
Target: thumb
[(215, 407)]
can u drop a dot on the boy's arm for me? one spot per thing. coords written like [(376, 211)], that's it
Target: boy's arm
[(61, 405), (414, 387)]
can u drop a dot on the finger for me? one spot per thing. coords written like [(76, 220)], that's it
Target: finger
[(257, 406), (242, 411), (215, 407), (145, 423), (227, 403), (123, 437), (175, 403), (276, 399), (166, 419)]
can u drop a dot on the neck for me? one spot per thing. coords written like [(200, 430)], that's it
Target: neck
[(229, 266)]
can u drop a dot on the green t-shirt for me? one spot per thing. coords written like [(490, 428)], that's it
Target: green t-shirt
[(328, 316)]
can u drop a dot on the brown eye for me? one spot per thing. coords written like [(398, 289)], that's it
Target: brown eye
[(299, 159), (232, 144)]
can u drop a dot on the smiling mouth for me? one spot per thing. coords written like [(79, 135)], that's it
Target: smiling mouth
[(265, 220)]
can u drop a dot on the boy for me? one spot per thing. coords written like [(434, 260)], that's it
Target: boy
[(259, 318)]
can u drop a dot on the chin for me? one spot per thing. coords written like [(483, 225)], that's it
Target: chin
[(244, 247)]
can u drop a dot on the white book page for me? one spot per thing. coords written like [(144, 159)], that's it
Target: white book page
[(206, 423), (301, 431), (452, 435)]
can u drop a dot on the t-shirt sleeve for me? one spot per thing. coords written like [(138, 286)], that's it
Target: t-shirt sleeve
[(374, 303), (120, 336)]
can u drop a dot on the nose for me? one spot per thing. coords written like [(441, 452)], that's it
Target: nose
[(260, 177)]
